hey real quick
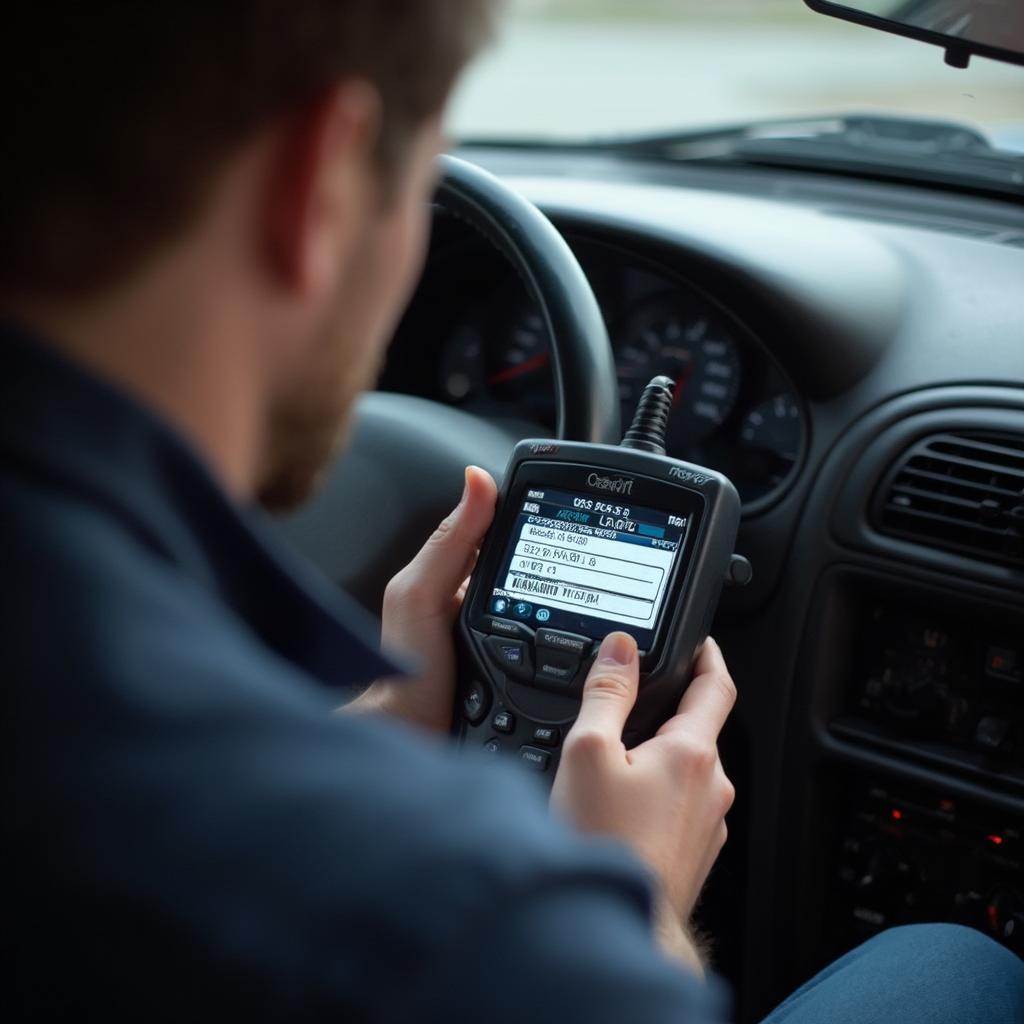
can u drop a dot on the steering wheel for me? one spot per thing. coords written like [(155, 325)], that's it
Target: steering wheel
[(402, 472)]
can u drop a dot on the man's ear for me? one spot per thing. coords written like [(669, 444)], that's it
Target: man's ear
[(322, 186)]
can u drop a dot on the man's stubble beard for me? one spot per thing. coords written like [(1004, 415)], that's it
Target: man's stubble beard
[(308, 430), (301, 450)]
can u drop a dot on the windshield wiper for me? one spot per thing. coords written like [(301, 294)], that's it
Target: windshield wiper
[(904, 149)]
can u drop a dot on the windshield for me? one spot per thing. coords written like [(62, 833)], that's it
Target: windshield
[(574, 70)]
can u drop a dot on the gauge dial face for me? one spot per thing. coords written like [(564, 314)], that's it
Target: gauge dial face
[(771, 435), (504, 358), (693, 348), (520, 356), (517, 365)]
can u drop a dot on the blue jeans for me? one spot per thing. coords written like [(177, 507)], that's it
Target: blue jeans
[(919, 974)]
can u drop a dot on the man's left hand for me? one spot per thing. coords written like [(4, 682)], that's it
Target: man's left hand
[(420, 607)]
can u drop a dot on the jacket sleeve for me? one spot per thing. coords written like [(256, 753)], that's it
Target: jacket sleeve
[(573, 951), (201, 835)]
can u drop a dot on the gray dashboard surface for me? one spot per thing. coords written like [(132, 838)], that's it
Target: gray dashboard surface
[(886, 306)]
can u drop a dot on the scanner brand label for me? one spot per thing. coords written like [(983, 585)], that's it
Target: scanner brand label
[(688, 476), (614, 484)]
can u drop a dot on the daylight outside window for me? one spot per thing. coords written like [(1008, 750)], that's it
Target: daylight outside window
[(586, 69)]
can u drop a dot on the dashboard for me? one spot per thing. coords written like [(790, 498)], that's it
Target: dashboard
[(734, 409), (851, 353)]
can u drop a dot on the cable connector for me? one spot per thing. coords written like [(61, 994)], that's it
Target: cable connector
[(650, 421)]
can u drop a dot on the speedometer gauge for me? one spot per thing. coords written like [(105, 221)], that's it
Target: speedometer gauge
[(695, 349)]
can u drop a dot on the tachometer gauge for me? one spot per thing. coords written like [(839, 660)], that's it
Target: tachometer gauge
[(502, 358), (771, 435), (696, 350), (520, 355), (517, 364)]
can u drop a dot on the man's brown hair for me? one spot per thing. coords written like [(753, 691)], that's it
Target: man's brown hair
[(117, 115)]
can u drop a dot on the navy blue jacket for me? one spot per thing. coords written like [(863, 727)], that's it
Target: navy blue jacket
[(191, 833)]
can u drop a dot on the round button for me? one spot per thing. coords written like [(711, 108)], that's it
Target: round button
[(504, 721), (474, 704), (493, 745)]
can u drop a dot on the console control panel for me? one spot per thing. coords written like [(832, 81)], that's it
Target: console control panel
[(906, 855)]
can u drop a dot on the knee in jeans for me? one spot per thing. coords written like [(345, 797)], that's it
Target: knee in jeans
[(991, 963)]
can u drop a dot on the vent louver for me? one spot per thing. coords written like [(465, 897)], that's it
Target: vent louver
[(960, 492)]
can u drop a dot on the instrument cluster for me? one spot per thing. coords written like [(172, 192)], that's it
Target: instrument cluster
[(734, 409)]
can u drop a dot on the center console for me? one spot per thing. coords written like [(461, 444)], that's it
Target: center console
[(905, 854), (917, 809)]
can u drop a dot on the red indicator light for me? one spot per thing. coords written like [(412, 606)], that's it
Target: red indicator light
[(992, 912), (995, 840), (895, 814)]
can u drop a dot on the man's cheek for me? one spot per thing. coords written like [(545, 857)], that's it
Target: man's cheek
[(418, 244)]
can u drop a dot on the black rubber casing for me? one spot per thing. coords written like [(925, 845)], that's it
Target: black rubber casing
[(712, 507)]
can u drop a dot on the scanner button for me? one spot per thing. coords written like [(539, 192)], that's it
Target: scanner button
[(556, 669), (568, 643), (504, 721), (535, 758), (474, 704), (511, 656), (546, 736), (507, 628)]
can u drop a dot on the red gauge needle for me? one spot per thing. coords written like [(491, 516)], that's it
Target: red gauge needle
[(536, 363), (681, 382)]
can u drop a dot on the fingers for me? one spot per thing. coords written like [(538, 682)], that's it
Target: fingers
[(609, 692), (435, 575), (711, 695)]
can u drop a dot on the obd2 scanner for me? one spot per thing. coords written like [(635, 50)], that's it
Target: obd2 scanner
[(587, 539)]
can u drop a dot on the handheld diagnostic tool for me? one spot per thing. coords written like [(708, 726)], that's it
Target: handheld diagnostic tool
[(588, 539)]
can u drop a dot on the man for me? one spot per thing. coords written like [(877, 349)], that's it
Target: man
[(212, 217)]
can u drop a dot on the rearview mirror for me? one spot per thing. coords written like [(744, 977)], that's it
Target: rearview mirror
[(988, 28)]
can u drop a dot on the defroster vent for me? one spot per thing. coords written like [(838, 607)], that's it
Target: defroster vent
[(961, 492)]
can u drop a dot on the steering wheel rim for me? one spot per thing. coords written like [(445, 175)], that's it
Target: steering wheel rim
[(580, 350), (403, 468)]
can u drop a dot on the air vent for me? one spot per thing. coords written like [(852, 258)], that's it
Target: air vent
[(960, 492)]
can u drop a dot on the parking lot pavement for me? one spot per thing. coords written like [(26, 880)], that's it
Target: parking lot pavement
[(583, 78)]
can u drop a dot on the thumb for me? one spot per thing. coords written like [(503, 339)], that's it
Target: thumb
[(611, 687), (447, 558)]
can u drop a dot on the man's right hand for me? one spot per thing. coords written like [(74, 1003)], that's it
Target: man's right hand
[(666, 798)]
